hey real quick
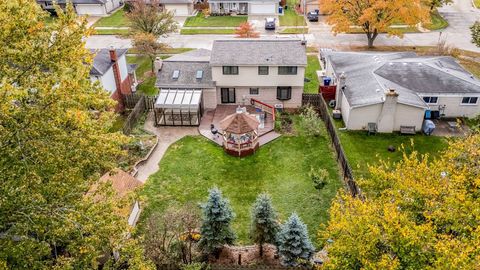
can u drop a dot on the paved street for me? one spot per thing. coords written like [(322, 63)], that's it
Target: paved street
[(460, 15)]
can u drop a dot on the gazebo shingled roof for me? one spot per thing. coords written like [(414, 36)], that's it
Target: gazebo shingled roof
[(239, 123)]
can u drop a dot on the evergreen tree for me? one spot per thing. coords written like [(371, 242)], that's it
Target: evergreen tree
[(217, 217), (293, 242), (264, 222)]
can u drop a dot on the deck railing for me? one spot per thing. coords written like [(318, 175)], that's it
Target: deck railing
[(264, 106)]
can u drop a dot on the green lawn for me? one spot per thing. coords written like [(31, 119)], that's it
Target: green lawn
[(291, 18), (194, 164), (303, 30), (438, 22), (207, 31), (117, 19), (311, 73), (214, 21), (144, 66), (363, 150)]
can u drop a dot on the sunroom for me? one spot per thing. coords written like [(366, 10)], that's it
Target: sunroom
[(178, 107)]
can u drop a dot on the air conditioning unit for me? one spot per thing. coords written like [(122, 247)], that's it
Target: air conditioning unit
[(278, 106)]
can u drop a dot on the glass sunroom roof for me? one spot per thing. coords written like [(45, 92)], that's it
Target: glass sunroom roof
[(178, 99)]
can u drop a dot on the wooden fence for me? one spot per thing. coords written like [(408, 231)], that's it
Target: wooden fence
[(139, 104), (317, 101)]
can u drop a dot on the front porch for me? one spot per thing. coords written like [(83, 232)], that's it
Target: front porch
[(213, 117), (229, 8)]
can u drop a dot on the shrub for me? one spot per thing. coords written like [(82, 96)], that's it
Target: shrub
[(319, 177), (311, 122), (264, 222), (294, 244)]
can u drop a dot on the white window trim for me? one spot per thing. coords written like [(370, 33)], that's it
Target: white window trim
[(469, 104), (429, 103)]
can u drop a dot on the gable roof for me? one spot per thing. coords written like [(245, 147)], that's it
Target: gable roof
[(102, 62), (187, 64), (255, 52), (369, 75)]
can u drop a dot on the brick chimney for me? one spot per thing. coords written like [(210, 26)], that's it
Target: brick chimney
[(386, 120), (118, 95)]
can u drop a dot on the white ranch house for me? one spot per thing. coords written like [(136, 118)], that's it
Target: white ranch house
[(250, 7)]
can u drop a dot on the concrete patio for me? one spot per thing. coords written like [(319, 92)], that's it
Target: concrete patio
[(449, 128), (266, 131)]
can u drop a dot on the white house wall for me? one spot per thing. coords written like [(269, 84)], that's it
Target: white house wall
[(345, 109), (265, 94), (108, 81), (408, 116), (454, 108), (180, 9), (122, 63), (359, 117), (248, 76)]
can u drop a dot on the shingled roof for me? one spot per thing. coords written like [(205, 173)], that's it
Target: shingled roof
[(239, 123), (102, 62), (369, 75), (255, 52)]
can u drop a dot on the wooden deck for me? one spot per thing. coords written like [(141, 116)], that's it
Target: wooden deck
[(265, 132)]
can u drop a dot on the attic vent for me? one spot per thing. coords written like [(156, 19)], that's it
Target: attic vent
[(176, 74), (199, 74)]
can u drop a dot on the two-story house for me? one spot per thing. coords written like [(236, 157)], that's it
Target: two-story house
[(235, 72)]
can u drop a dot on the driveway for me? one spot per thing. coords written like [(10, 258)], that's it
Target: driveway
[(166, 136)]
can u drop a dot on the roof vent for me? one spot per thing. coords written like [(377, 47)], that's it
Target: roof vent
[(199, 74), (176, 74), (390, 64), (404, 63)]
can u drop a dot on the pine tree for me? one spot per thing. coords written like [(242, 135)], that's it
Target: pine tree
[(217, 217), (293, 242), (264, 226)]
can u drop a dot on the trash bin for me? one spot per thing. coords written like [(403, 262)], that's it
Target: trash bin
[(327, 81), (428, 114), (280, 10)]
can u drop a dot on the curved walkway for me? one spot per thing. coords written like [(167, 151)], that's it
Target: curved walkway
[(166, 136)]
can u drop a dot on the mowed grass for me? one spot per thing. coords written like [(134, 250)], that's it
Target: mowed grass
[(117, 19), (311, 73), (194, 164), (147, 85), (214, 21), (302, 30), (207, 31), (437, 21), (291, 18), (363, 150), (117, 32)]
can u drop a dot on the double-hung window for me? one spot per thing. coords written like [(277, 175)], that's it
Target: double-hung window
[(284, 93), (253, 91), (430, 100), (469, 100), (263, 70), (287, 70), (230, 70)]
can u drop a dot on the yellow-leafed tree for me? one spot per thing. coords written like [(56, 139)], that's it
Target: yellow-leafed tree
[(417, 214), (374, 16)]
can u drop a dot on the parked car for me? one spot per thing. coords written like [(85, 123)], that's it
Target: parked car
[(270, 24), (312, 16)]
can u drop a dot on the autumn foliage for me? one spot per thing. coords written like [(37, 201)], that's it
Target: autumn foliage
[(246, 30), (374, 16), (417, 214)]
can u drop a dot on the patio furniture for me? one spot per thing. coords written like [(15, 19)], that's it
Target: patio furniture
[(240, 133), (372, 128), (452, 126), (407, 130)]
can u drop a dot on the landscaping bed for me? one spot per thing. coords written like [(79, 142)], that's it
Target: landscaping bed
[(438, 22), (194, 164), (214, 21)]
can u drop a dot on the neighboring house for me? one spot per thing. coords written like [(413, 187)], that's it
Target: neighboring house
[(111, 70), (400, 89), (123, 184), (84, 7), (178, 7), (233, 73), (248, 7)]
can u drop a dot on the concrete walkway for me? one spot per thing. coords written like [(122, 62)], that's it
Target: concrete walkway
[(166, 137)]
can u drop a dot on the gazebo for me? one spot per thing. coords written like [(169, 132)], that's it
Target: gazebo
[(240, 133)]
